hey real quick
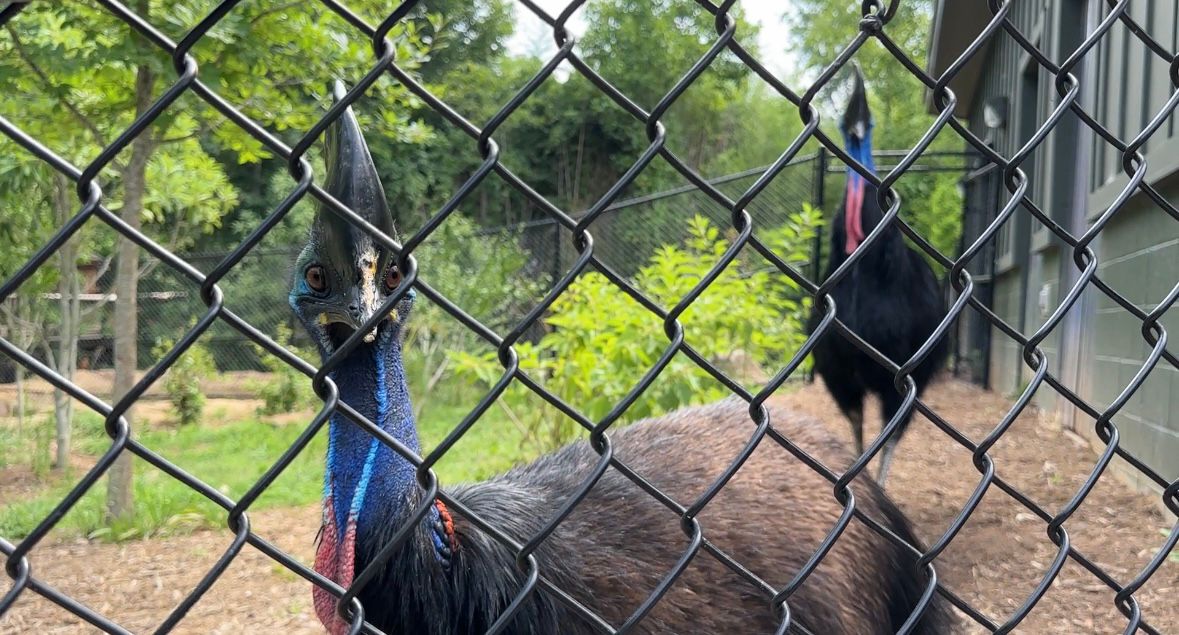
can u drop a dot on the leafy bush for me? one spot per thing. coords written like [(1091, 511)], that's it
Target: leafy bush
[(182, 383), (485, 275), (287, 389), (602, 341)]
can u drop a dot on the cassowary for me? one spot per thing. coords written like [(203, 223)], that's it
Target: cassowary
[(614, 548), (890, 297)]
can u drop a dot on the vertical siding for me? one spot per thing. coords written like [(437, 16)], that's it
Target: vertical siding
[(1097, 165), (1161, 26), (1007, 64), (1135, 86), (1006, 354), (1138, 251), (1174, 22), (1135, 92), (1110, 85)]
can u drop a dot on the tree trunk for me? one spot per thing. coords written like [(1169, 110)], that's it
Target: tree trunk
[(119, 502), (19, 323), (20, 401), (69, 303)]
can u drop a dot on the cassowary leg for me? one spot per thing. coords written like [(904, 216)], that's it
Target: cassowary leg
[(885, 460), (856, 417), (848, 393), (890, 403)]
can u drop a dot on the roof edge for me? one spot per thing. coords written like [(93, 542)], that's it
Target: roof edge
[(948, 40)]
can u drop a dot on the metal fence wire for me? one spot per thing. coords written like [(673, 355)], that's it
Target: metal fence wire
[(630, 232), (586, 254)]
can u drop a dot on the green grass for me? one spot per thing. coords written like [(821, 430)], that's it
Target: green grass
[(231, 457), (489, 448)]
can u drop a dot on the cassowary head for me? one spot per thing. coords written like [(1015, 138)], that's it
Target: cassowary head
[(343, 276), (342, 279), (861, 212)]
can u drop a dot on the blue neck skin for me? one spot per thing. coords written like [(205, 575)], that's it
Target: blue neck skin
[(860, 150), (366, 477)]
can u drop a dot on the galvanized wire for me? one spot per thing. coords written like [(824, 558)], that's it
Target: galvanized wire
[(586, 255)]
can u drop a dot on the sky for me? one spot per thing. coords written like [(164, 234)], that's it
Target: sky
[(535, 37)]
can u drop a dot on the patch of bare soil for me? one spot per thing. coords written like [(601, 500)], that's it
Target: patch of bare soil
[(138, 583), (994, 563), (1003, 552), (234, 384), (21, 481)]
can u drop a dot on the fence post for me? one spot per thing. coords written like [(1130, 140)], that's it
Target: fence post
[(818, 196), (556, 272), (818, 200)]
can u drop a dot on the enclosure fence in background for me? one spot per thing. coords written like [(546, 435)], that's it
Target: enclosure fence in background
[(632, 231), (585, 253)]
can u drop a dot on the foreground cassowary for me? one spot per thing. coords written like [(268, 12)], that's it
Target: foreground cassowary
[(890, 297), (611, 552)]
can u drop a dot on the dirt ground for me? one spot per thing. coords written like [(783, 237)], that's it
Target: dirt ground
[(223, 386), (99, 382), (1003, 551), (994, 563), (230, 397)]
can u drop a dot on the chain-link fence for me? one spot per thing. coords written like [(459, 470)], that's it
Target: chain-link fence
[(199, 290), (631, 231)]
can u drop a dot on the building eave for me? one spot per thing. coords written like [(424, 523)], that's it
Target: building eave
[(949, 38)]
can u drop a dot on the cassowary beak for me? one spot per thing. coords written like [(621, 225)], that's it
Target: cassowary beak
[(354, 258), (342, 322), (352, 177)]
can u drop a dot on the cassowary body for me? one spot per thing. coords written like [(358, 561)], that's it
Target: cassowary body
[(618, 544), (890, 297)]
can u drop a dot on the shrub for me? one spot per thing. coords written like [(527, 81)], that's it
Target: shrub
[(287, 389), (602, 341), (182, 383), (487, 275)]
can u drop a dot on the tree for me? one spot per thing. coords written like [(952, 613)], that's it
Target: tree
[(27, 313), (579, 142), (78, 62), (465, 32), (669, 37)]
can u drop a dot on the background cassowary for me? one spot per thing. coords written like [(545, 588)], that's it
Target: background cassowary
[(890, 297), (610, 553)]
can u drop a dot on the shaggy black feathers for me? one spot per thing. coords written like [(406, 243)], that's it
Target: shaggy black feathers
[(892, 300), (619, 543)]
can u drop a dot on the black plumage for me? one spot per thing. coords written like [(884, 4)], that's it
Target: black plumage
[(890, 298), (613, 550)]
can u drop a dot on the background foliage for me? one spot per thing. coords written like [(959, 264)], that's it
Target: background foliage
[(74, 77), (603, 341)]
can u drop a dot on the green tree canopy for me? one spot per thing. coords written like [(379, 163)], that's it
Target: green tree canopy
[(75, 77)]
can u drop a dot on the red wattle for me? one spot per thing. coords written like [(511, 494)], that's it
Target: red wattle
[(853, 225), (335, 559)]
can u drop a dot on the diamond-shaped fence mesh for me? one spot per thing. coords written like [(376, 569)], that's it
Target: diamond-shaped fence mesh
[(614, 237)]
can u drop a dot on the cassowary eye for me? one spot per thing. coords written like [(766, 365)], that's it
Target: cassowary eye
[(316, 278), (392, 278)]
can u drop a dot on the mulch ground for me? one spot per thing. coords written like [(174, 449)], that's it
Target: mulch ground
[(994, 563)]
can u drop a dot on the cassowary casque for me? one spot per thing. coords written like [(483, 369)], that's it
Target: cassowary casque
[(617, 545)]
